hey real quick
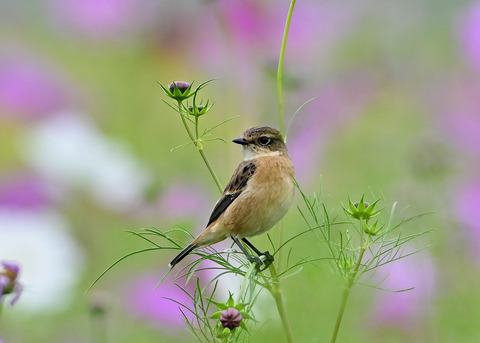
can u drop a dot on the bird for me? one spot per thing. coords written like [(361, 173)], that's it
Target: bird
[(258, 195)]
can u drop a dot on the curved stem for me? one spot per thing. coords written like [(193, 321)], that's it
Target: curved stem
[(280, 67), (348, 286), (184, 121), (198, 144), (276, 292)]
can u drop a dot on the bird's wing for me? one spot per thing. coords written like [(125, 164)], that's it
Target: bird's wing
[(235, 187)]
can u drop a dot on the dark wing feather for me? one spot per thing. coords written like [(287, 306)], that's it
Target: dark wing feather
[(235, 187)]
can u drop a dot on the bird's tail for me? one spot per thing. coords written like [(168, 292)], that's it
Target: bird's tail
[(182, 255)]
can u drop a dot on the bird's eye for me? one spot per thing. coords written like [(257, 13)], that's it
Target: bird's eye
[(264, 140)]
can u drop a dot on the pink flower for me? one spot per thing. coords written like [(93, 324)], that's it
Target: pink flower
[(461, 117), (9, 283), (469, 34), (467, 208), (23, 191), (184, 200), (28, 90), (405, 309), (105, 19), (161, 305)]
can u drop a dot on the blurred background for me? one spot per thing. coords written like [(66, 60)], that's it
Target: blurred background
[(86, 141)]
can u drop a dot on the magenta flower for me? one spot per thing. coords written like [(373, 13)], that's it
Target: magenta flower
[(461, 119), (105, 19), (28, 90), (9, 283), (146, 301), (405, 309), (23, 191), (184, 200), (319, 120), (469, 34), (467, 209)]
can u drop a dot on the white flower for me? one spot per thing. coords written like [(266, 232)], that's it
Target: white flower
[(70, 151), (50, 259)]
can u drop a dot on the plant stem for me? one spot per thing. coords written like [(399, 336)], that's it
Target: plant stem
[(198, 144), (280, 67), (276, 292), (348, 286)]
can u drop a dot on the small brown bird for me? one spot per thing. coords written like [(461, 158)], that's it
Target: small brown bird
[(257, 196)]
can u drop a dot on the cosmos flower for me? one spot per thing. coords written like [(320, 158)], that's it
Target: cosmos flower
[(182, 200), (28, 89), (68, 150), (460, 118), (51, 259), (467, 211), (23, 191), (102, 20), (145, 301), (405, 310), (9, 283), (469, 34)]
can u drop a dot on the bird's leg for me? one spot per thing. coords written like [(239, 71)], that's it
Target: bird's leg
[(252, 259), (268, 258)]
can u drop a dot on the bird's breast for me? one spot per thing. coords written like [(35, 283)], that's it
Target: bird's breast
[(266, 199)]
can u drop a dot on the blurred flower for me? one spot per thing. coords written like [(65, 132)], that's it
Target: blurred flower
[(105, 19), (231, 318), (70, 151), (23, 191), (146, 301), (184, 200), (8, 281), (405, 309), (467, 208), (50, 257), (461, 118), (469, 34), (27, 89), (318, 121)]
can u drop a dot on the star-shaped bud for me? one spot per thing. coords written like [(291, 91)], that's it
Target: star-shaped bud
[(198, 110), (362, 210), (178, 90)]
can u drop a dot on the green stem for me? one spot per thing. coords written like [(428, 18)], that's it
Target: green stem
[(198, 144), (276, 292), (246, 283), (348, 287), (280, 67)]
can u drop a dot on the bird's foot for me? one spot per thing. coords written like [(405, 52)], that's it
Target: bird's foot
[(263, 261)]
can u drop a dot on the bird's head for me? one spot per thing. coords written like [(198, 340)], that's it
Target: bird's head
[(261, 141)]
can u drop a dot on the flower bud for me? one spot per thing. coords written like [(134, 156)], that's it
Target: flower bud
[(181, 85), (372, 230), (199, 108), (178, 90), (231, 318), (361, 210), (366, 204)]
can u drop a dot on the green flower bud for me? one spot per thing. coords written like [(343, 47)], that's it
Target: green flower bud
[(372, 230), (198, 110), (361, 210), (178, 90)]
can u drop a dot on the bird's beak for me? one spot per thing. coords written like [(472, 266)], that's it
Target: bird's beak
[(241, 141)]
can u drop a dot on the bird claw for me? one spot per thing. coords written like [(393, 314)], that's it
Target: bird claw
[(263, 261)]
